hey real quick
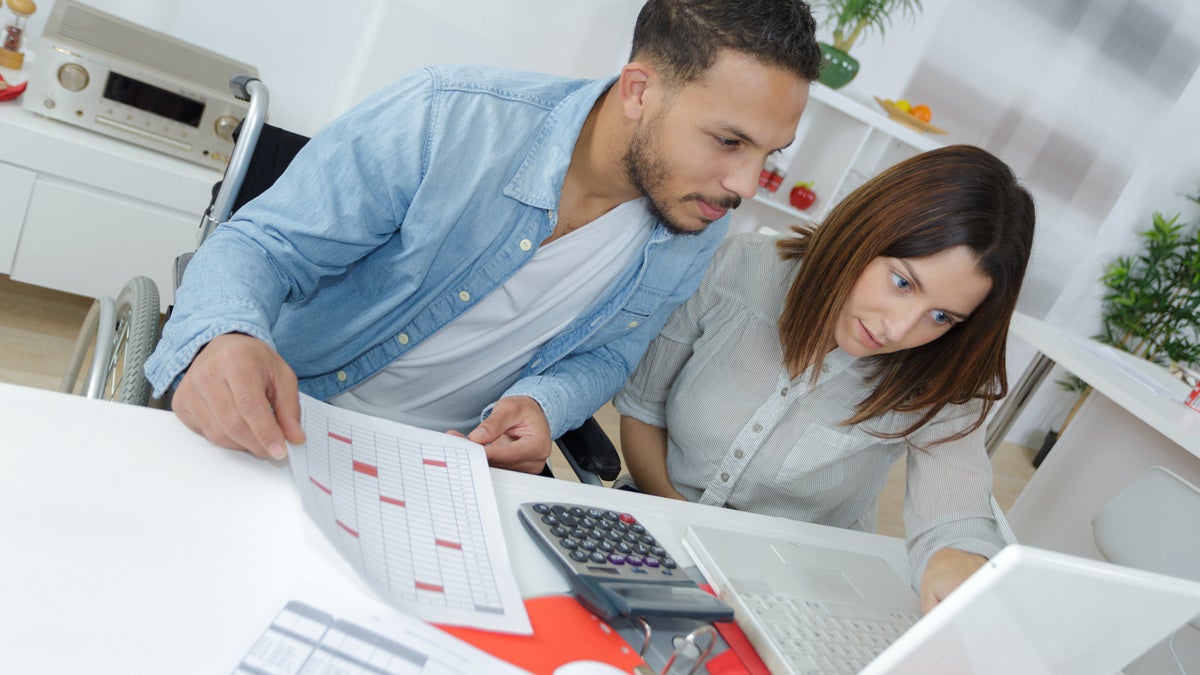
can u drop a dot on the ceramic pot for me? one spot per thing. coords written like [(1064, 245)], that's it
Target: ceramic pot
[(837, 67)]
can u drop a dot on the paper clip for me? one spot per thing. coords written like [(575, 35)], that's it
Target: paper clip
[(690, 640), (648, 631)]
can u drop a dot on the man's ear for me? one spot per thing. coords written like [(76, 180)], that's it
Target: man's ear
[(637, 85)]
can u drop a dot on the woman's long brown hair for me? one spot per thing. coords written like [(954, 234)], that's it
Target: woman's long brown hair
[(959, 195)]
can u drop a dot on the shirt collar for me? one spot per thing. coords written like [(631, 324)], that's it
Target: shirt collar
[(538, 182)]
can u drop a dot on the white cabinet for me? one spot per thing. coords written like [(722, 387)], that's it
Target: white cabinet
[(16, 185), (84, 212), (840, 143), (89, 242)]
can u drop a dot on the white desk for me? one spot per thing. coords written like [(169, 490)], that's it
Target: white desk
[(131, 545), (1119, 432)]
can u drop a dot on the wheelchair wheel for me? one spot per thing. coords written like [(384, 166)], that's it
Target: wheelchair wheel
[(136, 336), (119, 336)]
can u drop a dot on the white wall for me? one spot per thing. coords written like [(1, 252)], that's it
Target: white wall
[(319, 58)]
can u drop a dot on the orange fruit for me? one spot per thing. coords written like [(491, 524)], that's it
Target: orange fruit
[(921, 112)]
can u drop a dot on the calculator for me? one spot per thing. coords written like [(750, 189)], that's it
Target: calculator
[(615, 566)]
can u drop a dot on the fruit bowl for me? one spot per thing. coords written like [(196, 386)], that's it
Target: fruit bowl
[(905, 118)]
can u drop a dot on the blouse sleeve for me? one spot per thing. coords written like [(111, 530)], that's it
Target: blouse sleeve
[(949, 493)]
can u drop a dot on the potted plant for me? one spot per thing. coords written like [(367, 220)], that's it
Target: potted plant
[(1151, 305), (852, 19)]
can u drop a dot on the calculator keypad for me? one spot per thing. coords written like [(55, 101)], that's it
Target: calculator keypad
[(598, 541)]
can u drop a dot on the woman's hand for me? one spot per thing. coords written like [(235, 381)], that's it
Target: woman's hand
[(947, 568)]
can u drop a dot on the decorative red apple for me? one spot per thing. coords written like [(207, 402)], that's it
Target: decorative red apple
[(802, 195)]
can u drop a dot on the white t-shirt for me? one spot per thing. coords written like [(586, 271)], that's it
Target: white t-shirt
[(445, 382)]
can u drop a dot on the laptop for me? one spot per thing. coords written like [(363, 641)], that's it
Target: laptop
[(810, 609)]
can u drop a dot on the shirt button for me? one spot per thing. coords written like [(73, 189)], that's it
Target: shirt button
[(632, 324), (525, 244), (341, 376), (783, 392), (738, 453), (757, 427), (724, 478), (464, 296), (402, 338)]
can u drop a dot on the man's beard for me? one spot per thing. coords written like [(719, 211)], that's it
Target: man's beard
[(649, 172)]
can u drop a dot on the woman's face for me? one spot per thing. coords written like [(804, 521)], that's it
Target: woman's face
[(901, 303)]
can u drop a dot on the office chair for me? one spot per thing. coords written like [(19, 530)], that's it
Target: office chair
[(261, 153), (1151, 525)]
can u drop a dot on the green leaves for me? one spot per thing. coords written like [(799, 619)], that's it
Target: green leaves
[(1152, 299), (852, 19)]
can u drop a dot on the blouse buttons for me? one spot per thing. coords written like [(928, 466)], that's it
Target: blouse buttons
[(724, 478), (783, 392), (738, 453), (464, 296), (341, 376), (757, 427), (525, 244), (402, 338)]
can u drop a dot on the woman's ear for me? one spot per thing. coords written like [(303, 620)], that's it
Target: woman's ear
[(636, 86)]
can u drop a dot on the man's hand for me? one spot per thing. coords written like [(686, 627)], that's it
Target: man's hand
[(947, 568), (239, 393), (516, 435)]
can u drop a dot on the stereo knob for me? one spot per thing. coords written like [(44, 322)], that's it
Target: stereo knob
[(224, 127), (73, 77)]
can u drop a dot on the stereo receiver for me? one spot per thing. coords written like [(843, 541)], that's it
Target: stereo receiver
[(118, 78)]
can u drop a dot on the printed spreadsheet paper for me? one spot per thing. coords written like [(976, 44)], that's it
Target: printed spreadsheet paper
[(413, 511), (324, 630), (304, 639)]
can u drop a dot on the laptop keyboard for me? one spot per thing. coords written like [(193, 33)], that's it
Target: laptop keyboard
[(822, 638)]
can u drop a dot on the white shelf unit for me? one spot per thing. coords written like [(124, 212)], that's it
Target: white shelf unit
[(840, 144)]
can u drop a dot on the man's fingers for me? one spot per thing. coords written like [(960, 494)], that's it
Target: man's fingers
[(517, 454), (492, 428), (285, 399), (240, 394), (258, 428), (516, 435), (196, 414)]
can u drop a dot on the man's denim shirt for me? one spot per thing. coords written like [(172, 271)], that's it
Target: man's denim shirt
[(402, 214)]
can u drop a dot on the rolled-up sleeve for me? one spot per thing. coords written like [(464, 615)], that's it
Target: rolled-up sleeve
[(949, 493), (644, 396)]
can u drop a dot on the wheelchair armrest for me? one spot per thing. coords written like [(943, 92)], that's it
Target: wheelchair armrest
[(591, 449)]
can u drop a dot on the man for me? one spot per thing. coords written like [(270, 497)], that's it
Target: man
[(472, 242)]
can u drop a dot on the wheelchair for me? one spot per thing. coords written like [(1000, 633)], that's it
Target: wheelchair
[(123, 332)]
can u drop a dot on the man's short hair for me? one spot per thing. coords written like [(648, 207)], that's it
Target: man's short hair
[(682, 38)]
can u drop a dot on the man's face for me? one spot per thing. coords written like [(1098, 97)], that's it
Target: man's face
[(697, 152)]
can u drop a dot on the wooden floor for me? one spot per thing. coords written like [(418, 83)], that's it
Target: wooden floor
[(38, 328)]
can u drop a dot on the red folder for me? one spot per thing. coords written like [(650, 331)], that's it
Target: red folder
[(563, 631)]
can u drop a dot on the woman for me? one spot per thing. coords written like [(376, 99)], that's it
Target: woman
[(804, 366)]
